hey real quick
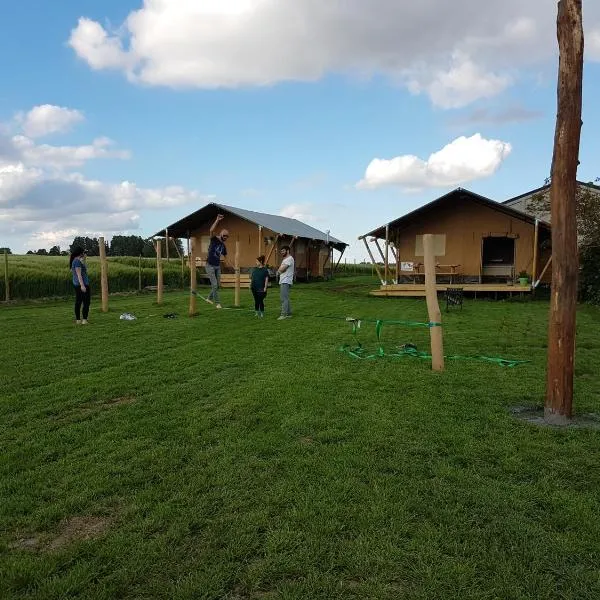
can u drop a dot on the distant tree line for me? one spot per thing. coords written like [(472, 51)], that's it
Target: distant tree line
[(120, 245)]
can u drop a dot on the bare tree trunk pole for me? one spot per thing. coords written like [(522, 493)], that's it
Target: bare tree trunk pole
[(565, 262), (236, 294), (433, 307), (103, 274)]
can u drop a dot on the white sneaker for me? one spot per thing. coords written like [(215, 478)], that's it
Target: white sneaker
[(78, 322), (217, 305), (84, 322), (209, 300), (281, 318)]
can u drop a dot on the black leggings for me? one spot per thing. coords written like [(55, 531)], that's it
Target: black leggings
[(259, 300), (82, 298)]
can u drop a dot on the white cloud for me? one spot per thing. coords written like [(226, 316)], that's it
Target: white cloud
[(41, 197), (461, 84), (46, 119), (301, 212), (592, 45), (463, 160), (231, 43), (61, 157)]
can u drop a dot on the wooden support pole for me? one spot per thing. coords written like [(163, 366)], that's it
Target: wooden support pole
[(193, 280), (103, 274), (237, 273), (159, 272), (433, 307), (397, 244), (260, 240), (376, 241), (140, 273), (536, 237), (167, 243), (386, 261), (373, 261), (543, 272), (6, 279), (558, 407), (273, 246)]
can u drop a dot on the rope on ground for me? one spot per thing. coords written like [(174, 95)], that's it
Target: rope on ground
[(410, 349), (359, 352)]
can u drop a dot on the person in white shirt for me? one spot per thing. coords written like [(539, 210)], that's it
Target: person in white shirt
[(286, 280)]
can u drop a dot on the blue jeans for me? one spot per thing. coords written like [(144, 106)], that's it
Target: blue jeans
[(214, 274)]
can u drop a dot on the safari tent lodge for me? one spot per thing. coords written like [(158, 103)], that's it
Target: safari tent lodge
[(480, 245), (258, 234)]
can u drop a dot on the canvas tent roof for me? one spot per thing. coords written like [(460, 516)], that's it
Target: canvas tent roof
[(451, 197), (276, 223), (547, 187)]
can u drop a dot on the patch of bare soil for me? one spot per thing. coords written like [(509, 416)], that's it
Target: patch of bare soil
[(535, 416), (71, 530), (88, 409)]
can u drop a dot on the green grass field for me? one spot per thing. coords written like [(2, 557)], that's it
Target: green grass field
[(235, 458)]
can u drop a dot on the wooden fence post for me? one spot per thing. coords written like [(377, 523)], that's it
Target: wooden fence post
[(193, 280), (103, 274), (433, 307), (159, 273), (140, 273), (237, 273), (6, 281)]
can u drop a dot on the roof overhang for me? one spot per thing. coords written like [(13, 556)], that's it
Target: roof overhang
[(453, 196), (207, 214)]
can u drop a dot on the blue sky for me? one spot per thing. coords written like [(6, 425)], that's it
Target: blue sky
[(277, 110)]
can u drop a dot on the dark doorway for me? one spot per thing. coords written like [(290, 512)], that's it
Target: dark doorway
[(498, 257)]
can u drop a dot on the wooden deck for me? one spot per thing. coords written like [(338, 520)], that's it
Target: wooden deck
[(417, 290)]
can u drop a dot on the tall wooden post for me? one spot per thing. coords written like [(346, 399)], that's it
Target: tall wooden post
[(260, 240), (140, 273), (6, 280), (103, 274), (237, 273), (563, 190), (159, 273), (387, 253), (433, 307), (167, 244), (536, 237), (397, 244), (193, 281)]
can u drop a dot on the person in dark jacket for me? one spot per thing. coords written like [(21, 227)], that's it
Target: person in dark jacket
[(81, 283), (216, 250), (259, 284)]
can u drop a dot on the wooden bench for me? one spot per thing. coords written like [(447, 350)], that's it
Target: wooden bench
[(228, 280)]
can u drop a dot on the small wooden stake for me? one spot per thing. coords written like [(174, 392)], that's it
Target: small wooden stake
[(433, 307), (237, 273), (6, 282), (159, 272), (193, 281), (103, 274)]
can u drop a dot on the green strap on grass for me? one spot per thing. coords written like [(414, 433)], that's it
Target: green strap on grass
[(410, 350)]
